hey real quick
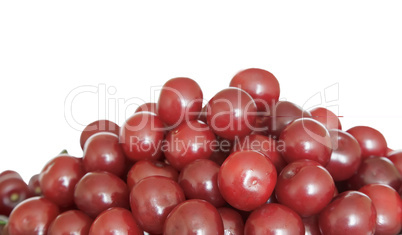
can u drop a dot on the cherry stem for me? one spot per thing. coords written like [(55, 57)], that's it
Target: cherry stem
[(14, 197), (64, 151), (38, 191)]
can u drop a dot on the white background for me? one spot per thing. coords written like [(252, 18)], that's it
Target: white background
[(49, 49)]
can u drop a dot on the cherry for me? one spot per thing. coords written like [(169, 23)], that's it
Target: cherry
[(371, 141), (351, 212), (232, 221), (115, 220), (13, 190), (396, 158), (146, 168), (375, 170), (98, 126), (326, 117), (247, 179), (306, 138), (311, 225), (346, 155), (260, 84), (273, 219), (70, 222), (199, 180), (102, 152), (189, 141), (58, 179), (98, 191), (305, 187), (231, 113), (152, 199), (180, 100), (194, 216), (32, 216), (141, 137), (388, 205)]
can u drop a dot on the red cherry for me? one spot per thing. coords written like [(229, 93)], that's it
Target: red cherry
[(231, 113), (326, 117), (306, 138), (115, 220), (274, 219), (305, 187), (141, 137), (199, 180), (180, 100), (260, 84), (345, 157), (350, 212), (247, 179), (70, 222), (189, 141), (371, 141), (152, 199), (98, 126), (32, 216), (388, 205), (194, 216)]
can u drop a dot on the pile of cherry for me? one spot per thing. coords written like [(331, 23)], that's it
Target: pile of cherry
[(245, 163)]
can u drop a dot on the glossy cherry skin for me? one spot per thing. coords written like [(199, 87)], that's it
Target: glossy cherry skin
[(13, 190), (263, 144), (232, 221), (189, 141), (98, 126), (273, 219), (152, 199), (396, 158), (345, 157), (199, 180), (34, 186), (115, 220), (231, 113), (375, 170), (311, 225), (194, 216), (141, 137), (70, 222), (306, 138), (146, 168), (283, 113), (32, 216), (371, 141), (351, 212), (98, 191), (102, 152), (58, 179), (326, 117), (260, 84), (8, 174), (149, 107), (180, 100), (388, 205), (305, 187), (247, 179)]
